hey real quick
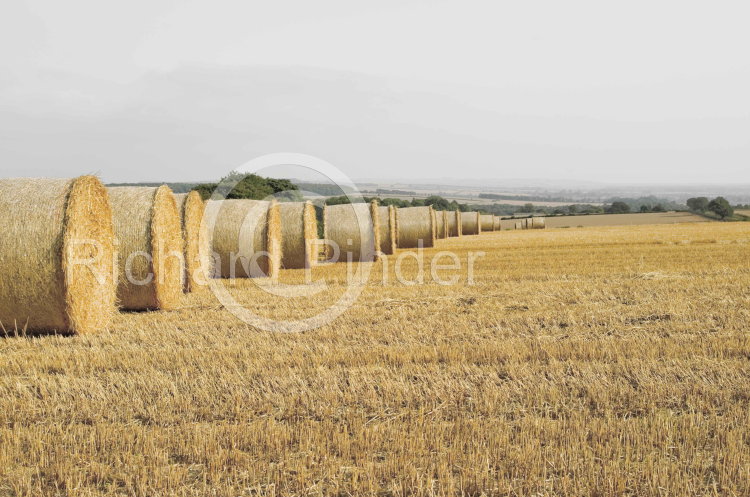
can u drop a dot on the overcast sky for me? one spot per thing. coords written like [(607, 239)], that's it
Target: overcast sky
[(639, 91)]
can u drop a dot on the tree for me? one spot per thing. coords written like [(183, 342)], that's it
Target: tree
[(572, 209), (618, 208), (645, 208), (528, 208), (698, 204), (659, 208), (437, 202), (721, 207), (251, 186)]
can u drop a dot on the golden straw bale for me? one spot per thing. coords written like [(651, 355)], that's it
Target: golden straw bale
[(245, 237), (415, 224), (56, 256), (197, 251), (387, 218), (299, 230), (440, 224), (498, 223), (519, 225), (150, 247), (470, 224), (353, 229), (454, 223), (488, 222), (537, 223)]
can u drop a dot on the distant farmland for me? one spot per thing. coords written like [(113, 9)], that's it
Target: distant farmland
[(616, 219)]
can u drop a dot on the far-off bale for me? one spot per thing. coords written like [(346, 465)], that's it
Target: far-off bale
[(415, 225), (352, 232), (195, 236), (537, 223), (470, 223), (441, 225), (454, 223), (498, 223), (150, 247), (245, 237), (488, 222), (519, 225), (56, 256), (299, 232), (387, 218)]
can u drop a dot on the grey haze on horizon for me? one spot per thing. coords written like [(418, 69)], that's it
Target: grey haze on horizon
[(464, 92)]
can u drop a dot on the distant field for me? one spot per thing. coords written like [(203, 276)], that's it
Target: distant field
[(617, 220)]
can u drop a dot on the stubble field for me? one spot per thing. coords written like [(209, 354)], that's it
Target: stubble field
[(597, 361)]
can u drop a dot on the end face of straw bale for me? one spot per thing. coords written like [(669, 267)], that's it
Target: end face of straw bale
[(299, 230), (90, 288), (273, 240), (195, 237), (167, 249), (387, 220)]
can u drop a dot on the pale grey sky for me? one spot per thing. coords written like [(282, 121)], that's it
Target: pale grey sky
[(640, 91)]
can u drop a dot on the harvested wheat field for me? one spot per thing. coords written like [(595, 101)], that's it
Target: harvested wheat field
[(597, 361)]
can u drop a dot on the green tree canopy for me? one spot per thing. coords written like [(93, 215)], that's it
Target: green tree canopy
[(721, 207)]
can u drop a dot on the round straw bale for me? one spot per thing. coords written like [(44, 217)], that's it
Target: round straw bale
[(537, 223), (433, 218), (56, 255), (498, 223), (299, 230), (197, 251), (415, 224), (148, 230), (440, 225), (454, 223), (470, 224), (488, 222), (519, 225), (387, 218), (354, 229), (245, 237)]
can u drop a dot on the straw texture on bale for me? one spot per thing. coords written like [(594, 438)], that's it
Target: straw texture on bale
[(415, 224), (56, 256), (441, 225), (150, 247), (387, 223), (454, 223), (470, 224), (299, 230), (245, 237), (433, 218), (537, 223), (488, 222), (527, 223), (498, 223), (355, 229), (195, 237)]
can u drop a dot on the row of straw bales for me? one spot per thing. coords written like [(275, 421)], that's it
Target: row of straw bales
[(74, 250)]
